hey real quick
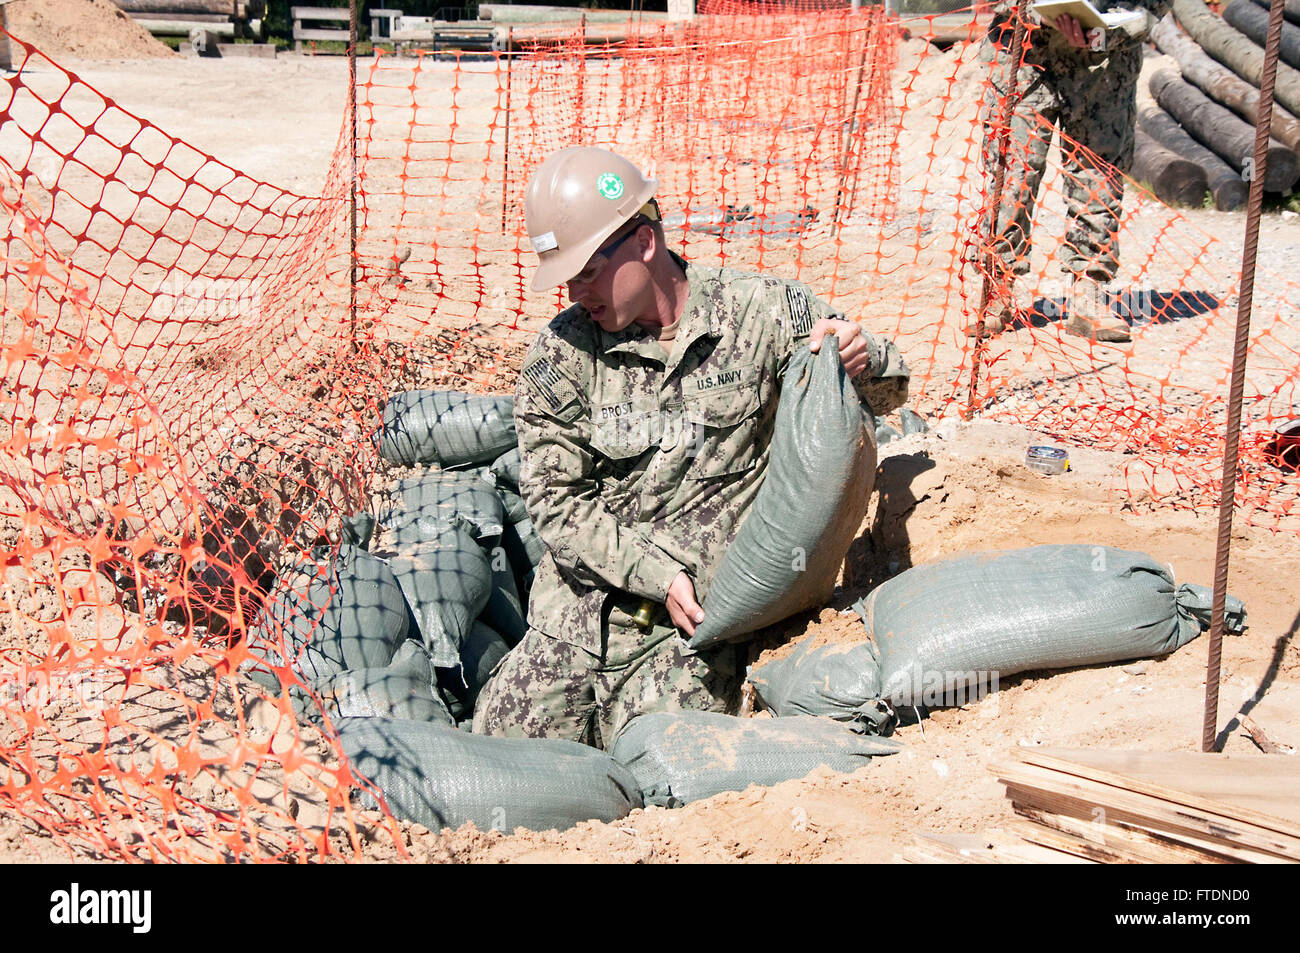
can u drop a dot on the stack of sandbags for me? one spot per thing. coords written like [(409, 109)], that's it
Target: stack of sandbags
[(446, 428), (335, 634), (460, 541)]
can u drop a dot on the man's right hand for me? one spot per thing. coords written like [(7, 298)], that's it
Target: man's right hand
[(682, 607)]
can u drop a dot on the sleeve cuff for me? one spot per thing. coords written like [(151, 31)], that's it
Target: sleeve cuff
[(655, 572)]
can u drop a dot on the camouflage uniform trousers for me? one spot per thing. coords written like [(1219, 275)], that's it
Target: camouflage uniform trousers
[(546, 688), (1091, 97)]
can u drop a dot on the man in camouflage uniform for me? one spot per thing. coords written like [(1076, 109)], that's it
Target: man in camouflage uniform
[(1085, 82), (644, 415)]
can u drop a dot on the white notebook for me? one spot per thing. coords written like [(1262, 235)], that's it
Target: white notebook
[(1089, 17)]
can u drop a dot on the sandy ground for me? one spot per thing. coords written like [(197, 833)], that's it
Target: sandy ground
[(963, 488)]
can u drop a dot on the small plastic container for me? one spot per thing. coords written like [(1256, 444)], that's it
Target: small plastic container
[(1049, 460)]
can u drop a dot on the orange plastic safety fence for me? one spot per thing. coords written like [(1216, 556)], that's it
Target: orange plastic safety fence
[(767, 144), (188, 403), (183, 410)]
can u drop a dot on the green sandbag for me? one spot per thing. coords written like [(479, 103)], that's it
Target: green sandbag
[(483, 649), (329, 615), (525, 550), (512, 503), (787, 554), (523, 547), (505, 469), (947, 631), (835, 681), (418, 507), (447, 428), (504, 611), (478, 656), (440, 777), (406, 688), (447, 582), (680, 757)]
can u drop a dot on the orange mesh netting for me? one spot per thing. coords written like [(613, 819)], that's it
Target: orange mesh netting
[(189, 403)]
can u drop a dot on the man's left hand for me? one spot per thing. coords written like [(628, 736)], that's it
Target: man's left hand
[(1072, 30), (854, 353)]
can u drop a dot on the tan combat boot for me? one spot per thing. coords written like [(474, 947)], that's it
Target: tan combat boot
[(1004, 313), (995, 322), (1090, 314)]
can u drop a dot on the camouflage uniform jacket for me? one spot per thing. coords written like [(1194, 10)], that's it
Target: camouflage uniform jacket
[(637, 465)]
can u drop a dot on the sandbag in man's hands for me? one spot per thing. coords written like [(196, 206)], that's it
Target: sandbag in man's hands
[(855, 355)]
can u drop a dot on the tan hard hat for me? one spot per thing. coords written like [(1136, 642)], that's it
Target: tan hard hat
[(576, 199)]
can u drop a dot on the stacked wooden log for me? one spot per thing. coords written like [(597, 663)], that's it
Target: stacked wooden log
[(1205, 112)]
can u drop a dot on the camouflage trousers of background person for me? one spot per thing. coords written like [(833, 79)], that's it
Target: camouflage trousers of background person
[(545, 688), (1091, 97)]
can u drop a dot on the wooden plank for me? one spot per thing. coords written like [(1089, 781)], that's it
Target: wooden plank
[(1209, 847), (1254, 788), (960, 849), (922, 855), (936, 849), (182, 8), (203, 18), (1136, 843), (1154, 846), (308, 34), (1141, 845), (321, 13), (1092, 800), (992, 847), (1057, 839), (255, 50), (185, 27), (449, 27), (1065, 794)]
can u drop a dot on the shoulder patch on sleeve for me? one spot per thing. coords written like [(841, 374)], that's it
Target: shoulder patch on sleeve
[(801, 314), (551, 387)]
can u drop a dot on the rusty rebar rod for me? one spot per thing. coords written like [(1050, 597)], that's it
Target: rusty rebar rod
[(1255, 204), (352, 182), (505, 157)]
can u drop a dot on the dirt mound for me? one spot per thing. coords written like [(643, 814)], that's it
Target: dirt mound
[(81, 29)]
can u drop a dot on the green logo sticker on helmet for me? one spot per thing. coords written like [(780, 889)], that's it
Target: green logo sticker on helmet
[(610, 185)]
